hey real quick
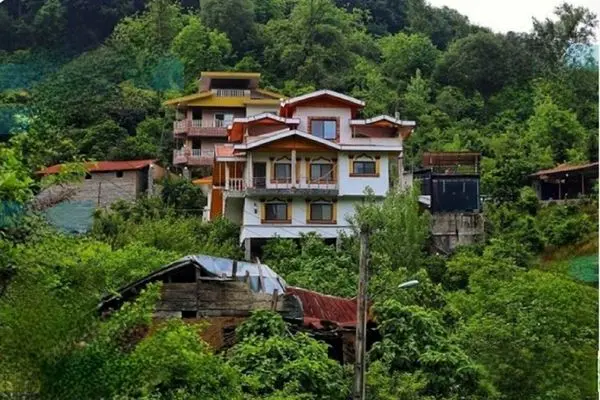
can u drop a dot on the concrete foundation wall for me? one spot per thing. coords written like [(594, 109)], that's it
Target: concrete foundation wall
[(449, 230)]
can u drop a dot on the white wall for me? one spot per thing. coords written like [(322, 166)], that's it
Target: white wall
[(355, 186), (343, 113), (261, 108), (252, 227)]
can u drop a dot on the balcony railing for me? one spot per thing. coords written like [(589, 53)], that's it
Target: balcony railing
[(201, 127), (209, 123), (193, 156), (300, 187), (231, 92)]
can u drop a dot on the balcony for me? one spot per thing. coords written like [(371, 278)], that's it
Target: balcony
[(262, 187), (193, 157), (231, 92), (200, 127)]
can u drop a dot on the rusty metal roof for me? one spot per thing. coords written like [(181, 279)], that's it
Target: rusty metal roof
[(450, 158), (562, 168), (321, 309), (104, 166)]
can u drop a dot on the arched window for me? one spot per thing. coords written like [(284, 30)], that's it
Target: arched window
[(364, 165), (321, 212), (321, 170), (282, 170), (277, 211)]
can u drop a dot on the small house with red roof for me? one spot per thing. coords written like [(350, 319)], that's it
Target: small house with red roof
[(70, 207)]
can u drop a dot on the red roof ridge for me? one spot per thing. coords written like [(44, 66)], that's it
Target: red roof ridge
[(319, 293)]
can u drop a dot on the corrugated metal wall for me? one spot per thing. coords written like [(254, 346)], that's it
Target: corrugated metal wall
[(454, 193)]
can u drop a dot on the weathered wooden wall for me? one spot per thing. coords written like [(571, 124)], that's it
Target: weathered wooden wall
[(213, 298)]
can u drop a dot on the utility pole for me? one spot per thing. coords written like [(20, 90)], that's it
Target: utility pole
[(361, 318)]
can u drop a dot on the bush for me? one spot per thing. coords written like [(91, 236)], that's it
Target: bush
[(563, 224), (284, 364), (313, 265), (183, 196)]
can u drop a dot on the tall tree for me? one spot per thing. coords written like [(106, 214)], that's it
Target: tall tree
[(556, 40), (233, 17)]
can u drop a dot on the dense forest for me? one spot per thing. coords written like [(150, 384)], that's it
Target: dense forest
[(505, 319)]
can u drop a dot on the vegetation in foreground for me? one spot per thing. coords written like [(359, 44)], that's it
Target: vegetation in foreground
[(496, 320)]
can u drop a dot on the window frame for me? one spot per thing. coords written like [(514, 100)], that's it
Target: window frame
[(364, 159), (276, 202), (282, 161), (310, 214), (323, 120), (329, 179)]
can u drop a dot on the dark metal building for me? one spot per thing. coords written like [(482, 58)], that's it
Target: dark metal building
[(450, 181)]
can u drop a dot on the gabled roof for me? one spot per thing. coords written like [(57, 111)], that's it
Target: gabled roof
[(262, 278), (382, 118), (564, 168), (321, 93), (224, 150), (104, 166), (236, 129), (285, 134), (261, 116)]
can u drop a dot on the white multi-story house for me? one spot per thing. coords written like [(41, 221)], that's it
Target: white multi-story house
[(305, 169)]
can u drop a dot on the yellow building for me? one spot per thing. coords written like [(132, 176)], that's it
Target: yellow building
[(202, 118)]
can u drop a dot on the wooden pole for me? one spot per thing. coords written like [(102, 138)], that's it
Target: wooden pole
[(361, 318), (99, 193)]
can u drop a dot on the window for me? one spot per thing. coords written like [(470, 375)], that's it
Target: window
[(324, 128), (321, 172), (321, 212), (276, 211), (88, 175), (119, 174), (196, 114), (364, 168), (282, 171), (223, 119)]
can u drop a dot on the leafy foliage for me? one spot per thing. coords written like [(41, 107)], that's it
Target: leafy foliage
[(284, 364), (83, 79)]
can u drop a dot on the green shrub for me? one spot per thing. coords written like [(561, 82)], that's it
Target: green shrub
[(563, 224)]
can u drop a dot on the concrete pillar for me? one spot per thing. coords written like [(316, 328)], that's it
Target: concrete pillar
[(226, 176), (248, 249), (401, 170), (150, 190), (249, 172), (294, 168)]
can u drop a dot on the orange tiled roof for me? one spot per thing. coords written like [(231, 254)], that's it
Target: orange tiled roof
[(224, 151)]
